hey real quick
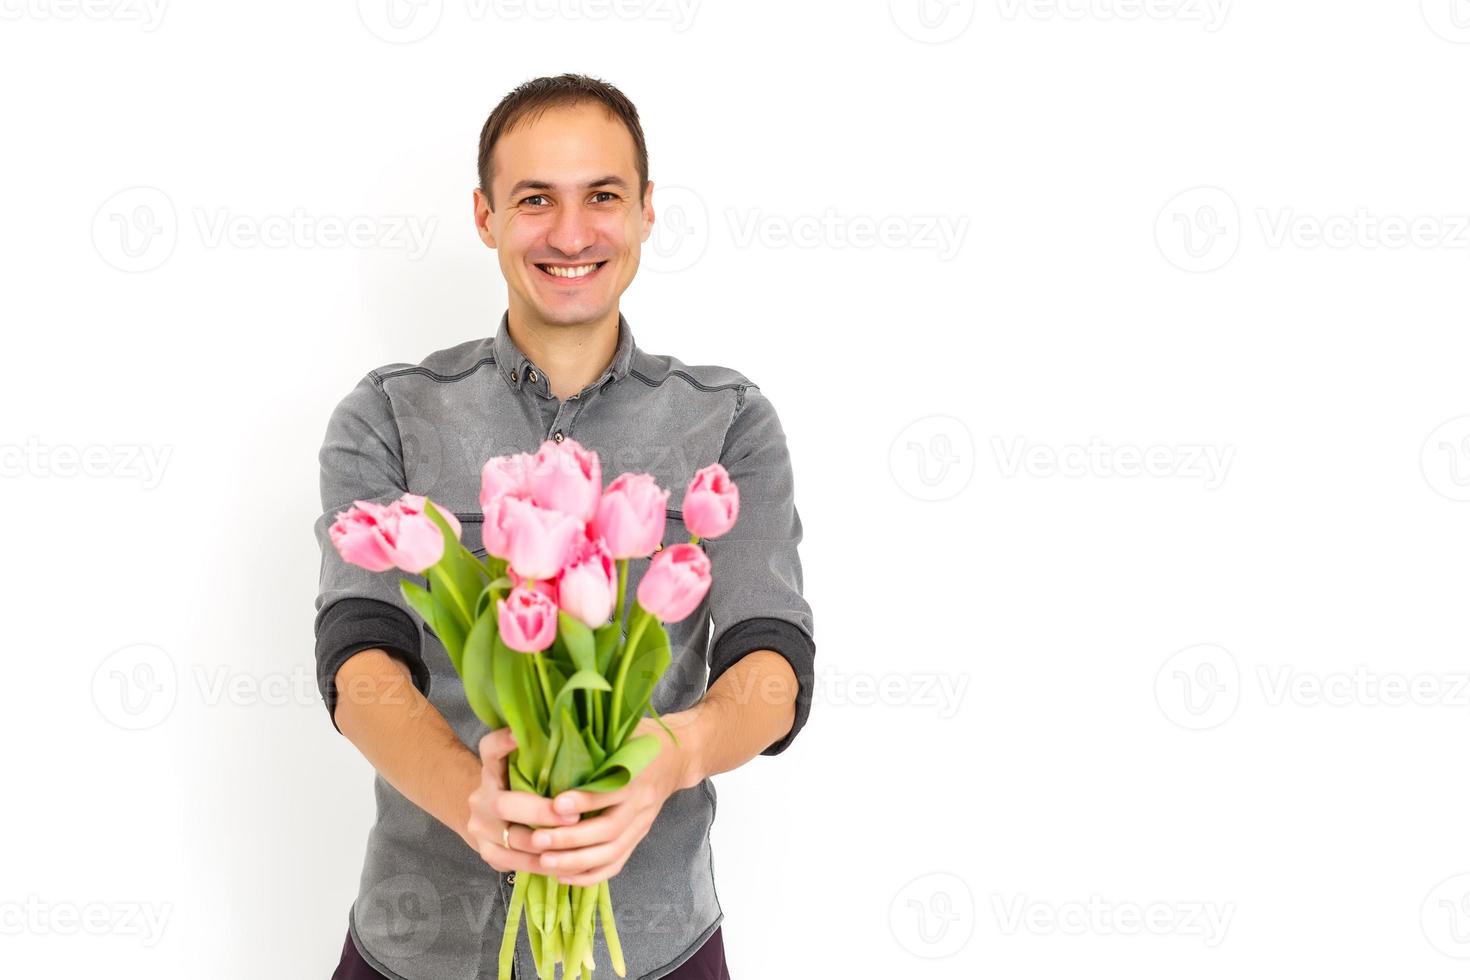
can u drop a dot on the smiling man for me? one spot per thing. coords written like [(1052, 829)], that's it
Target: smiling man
[(565, 201)]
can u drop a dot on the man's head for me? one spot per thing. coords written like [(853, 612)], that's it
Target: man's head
[(563, 185)]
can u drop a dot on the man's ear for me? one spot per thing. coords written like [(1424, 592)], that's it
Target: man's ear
[(483, 215), (647, 211)]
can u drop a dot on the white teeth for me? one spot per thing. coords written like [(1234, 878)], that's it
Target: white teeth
[(574, 272)]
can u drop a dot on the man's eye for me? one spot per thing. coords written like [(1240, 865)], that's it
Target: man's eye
[(606, 194), (533, 197)]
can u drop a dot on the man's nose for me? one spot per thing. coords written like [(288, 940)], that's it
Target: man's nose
[(571, 232)]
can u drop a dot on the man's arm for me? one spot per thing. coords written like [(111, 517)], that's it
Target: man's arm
[(406, 739), (750, 707)]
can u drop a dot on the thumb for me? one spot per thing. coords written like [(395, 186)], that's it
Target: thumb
[(494, 747)]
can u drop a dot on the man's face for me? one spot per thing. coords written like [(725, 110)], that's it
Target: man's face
[(566, 198)]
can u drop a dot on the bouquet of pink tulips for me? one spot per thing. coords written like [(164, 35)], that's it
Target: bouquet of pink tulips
[(536, 631)]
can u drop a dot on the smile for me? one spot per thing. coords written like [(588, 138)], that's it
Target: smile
[(571, 272)]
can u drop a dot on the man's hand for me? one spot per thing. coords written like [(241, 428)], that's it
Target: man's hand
[(597, 848), (493, 806)]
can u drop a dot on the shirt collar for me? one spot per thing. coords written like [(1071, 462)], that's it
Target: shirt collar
[(519, 370)]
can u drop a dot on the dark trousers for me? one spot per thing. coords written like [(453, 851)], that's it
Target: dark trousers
[(707, 963)]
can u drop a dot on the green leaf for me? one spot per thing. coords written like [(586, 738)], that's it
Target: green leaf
[(573, 762), (445, 624), (518, 780), (463, 569), (627, 762), (650, 661), (607, 645), (579, 640), (508, 669), (479, 687), (582, 680)]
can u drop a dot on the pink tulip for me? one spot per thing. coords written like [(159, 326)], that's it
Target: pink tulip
[(676, 580), (538, 539), (712, 502), (588, 586), (545, 585), (495, 532), (527, 620), (567, 477), (630, 516), (505, 475), (400, 534)]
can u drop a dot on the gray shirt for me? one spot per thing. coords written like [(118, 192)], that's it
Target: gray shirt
[(428, 907)]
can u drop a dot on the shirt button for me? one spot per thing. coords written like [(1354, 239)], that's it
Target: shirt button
[(531, 374), (514, 376), (557, 435), (510, 879)]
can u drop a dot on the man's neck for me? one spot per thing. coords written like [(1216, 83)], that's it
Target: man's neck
[(572, 356)]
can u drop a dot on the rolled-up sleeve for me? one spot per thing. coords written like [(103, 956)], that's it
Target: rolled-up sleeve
[(756, 600), (361, 459)]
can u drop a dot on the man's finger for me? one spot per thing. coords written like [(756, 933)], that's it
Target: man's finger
[(584, 833), (515, 806), (581, 801)]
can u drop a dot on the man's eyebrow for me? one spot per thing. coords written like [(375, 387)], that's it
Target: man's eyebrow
[(611, 180)]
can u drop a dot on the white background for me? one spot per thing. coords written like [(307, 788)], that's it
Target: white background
[(1203, 719)]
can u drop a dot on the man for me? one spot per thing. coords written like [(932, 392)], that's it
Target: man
[(564, 199)]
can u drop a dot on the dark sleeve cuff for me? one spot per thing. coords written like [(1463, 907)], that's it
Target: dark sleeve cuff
[(786, 639), (349, 626)]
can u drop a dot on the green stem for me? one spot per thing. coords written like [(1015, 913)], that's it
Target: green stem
[(545, 682), (610, 929), (623, 662), (512, 925)]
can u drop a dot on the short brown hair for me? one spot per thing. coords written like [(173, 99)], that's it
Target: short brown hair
[(530, 99)]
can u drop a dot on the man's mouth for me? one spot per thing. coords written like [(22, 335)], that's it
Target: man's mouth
[(570, 273)]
